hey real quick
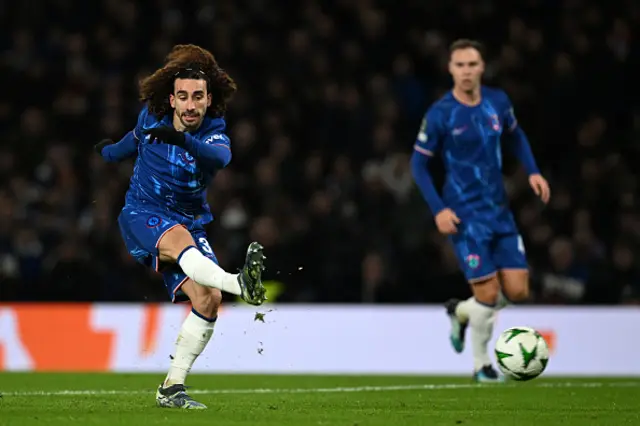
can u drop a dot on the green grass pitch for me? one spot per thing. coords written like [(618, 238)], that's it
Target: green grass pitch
[(258, 400)]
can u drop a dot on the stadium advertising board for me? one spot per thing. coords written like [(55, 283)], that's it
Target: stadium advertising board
[(312, 339)]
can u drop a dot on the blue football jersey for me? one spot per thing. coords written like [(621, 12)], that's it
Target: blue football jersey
[(168, 176), (468, 139)]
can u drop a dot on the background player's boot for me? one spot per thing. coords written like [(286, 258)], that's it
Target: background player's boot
[(487, 374), (458, 328), (250, 277), (175, 396)]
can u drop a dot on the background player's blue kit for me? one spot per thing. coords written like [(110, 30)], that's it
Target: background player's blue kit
[(168, 188), (468, 138)]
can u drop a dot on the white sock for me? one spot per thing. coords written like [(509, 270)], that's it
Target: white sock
[(193, 338), (205, 272), (462, 310), (481, 319)]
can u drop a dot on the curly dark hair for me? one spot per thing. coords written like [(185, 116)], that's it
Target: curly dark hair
[(189, 61)]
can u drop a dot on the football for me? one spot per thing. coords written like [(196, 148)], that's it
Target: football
[(522, 353)]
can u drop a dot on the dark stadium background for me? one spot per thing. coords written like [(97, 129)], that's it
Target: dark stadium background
[(330, 98)]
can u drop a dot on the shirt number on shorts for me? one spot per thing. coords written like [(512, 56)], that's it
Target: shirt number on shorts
[(520, 244), (205, 245)]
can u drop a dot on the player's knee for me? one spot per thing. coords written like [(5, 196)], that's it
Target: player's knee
[(207, 301), (518, 293), (173, 243), (486, 291), (515, 285)]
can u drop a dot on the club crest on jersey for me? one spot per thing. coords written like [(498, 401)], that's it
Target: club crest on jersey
[(153, 221), (187, 158), (495, 122), (473, 261)]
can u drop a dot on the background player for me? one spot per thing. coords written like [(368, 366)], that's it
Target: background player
[(180, 144), (466, 126)]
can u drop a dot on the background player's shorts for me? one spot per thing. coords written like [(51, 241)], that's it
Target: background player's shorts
[(481, 251), (142, 231)]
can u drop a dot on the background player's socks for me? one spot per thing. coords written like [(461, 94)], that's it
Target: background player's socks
[(194, 335), (481, 320), (463, 308), (204, 271)]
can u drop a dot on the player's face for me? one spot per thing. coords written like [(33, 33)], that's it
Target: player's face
[(190, 101), (466, 68)]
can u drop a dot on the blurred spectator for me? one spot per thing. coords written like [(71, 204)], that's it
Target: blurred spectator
[(330, 98)]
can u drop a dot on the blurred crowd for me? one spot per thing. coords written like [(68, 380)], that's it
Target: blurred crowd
[(331, 94)]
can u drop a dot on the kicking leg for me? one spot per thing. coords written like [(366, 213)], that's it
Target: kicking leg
[(191, 273), (178, 246), (197, 328), (194, 335)]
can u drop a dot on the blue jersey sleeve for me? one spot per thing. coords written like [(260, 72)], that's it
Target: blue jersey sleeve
[(508, 114), (126, 147), (213, 151), (121, 150), (519, 143), (431, 133), (428, 141)]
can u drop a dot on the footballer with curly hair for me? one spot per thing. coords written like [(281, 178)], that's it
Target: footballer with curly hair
[(180, 144)]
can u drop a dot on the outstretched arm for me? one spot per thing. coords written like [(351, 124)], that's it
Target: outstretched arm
[(126, 147), (115, 152), (213, 152)]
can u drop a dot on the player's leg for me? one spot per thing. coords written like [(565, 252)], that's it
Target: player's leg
[(515, 286), (477, 312), (176, 245), (196, 330), (513, 271), (141, 241), (195, 333)]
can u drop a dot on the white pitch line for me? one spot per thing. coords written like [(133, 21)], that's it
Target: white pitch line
[(105, 392)]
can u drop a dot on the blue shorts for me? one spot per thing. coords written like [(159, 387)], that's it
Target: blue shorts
[(481, 251), (142, 231)]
